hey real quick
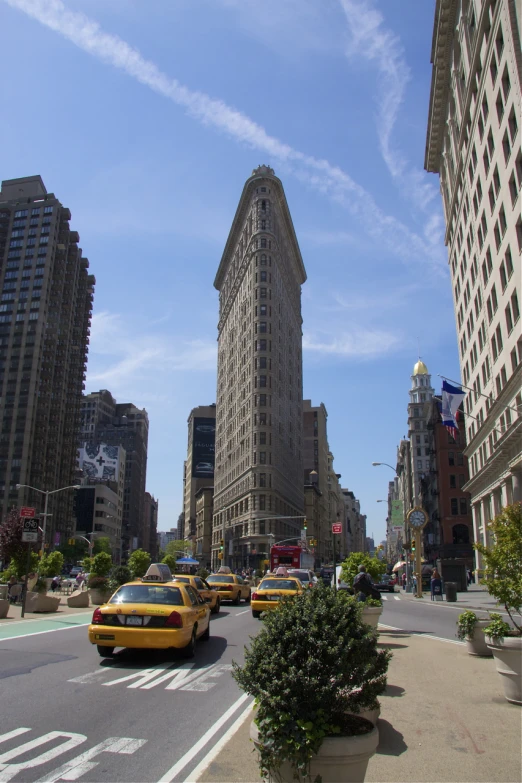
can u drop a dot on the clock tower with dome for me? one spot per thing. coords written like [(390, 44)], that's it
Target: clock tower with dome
[(421, 391)]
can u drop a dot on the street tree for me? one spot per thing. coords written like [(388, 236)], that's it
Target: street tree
[(350, 567), (178, 547), (102, 544), (101, 564), (170, 561), (11, 545), (138, 563)]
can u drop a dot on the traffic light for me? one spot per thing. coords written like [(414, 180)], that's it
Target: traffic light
[(221, 545), (71, 541), (413, 547), (305, 524), (220, 555)]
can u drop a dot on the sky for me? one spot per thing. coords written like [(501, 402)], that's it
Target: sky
[(146, 117)]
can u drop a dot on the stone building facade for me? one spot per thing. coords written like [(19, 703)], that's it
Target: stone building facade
[(258, 482), (474, 145)]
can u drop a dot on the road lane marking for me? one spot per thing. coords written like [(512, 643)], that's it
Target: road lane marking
[(202, 683), (397, 597), (74, 769), (422, 635), (178, 674), (87, 678), (143, 676), (39, 633), (218, 747), (200, 744), (384, 597), (243, 612), (178, 683)]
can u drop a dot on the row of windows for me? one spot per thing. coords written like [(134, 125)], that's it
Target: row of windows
[(35, 211)]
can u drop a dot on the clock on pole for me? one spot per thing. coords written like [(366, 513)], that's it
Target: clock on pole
[(417, 519)]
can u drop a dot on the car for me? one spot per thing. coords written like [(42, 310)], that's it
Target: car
[(325, 574), (153, 613), (306, 577), (270, 590), (386, 582), (204, 467), (75, 570), (208, 593), (230, 587)]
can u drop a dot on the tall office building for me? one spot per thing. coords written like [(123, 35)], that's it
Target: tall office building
[(45, 315), (199, 465), (316, 472), (258, 481), (122, 424), (473, 143)]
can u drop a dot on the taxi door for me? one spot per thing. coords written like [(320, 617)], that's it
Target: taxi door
[(204, 590), (244, 589), (200, 609)]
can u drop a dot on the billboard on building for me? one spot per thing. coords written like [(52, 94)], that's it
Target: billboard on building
[(203, 447), (397, 513), (99, 461)]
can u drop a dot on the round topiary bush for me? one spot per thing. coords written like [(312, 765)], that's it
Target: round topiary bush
[(312, 664)]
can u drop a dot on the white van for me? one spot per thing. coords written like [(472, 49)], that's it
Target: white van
[(340, 584)]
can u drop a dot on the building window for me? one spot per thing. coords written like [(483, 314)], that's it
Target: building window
[(262, 327), (262, 438), (262, 381), (454, 507), (47, 210), (262, 457), (451, 458), (453, 481), (460, 458), (262, 479), (460, 534), (419, 464), (262, 400), (20, 213)]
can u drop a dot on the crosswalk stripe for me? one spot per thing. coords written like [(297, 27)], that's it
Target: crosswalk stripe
[(397, 597)]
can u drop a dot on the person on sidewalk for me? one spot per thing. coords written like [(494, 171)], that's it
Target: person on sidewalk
[(403, 580), (363, 587)]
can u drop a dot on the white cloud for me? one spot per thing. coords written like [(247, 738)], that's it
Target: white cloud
[(371, 40), (124, 353), (316, 173), (357, 343)]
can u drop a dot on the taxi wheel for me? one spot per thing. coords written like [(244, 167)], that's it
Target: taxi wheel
[(256, 615), (206, 636), (105, 652), (217, 606), (237, 599), (190, 650)]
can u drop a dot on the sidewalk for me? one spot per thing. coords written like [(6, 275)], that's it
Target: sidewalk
[(477, 597), (443, 719)]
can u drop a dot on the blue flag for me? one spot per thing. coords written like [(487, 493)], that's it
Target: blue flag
[(452, 396)]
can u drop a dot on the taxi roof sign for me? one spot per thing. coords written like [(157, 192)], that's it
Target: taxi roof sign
[(224, 570), (158, 572)]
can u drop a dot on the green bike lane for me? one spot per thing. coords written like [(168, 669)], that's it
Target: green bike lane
[(15, 629)]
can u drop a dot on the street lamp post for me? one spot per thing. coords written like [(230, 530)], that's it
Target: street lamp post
[(46, 504), (408, 576)]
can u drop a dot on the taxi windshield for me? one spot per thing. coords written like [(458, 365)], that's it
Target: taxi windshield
[(303, 576), (279, 584), (184, 579), (220, 578), (148, 594)]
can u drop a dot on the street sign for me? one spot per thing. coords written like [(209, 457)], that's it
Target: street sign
[(337, 527), (27, 512), (30, 530)]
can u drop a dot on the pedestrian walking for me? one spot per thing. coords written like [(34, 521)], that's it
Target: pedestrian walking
[(468, 573), (403, 580), (363, 587)]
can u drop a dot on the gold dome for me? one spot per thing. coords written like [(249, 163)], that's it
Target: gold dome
[(420, 369)]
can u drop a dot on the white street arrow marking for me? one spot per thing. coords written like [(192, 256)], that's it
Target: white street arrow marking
[(86, 678), (177, 674), (143, 676), (8, 771), (202, 683), (74, 769)]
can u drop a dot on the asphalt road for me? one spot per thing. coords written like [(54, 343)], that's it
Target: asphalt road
[(67, 714), (421, 616)]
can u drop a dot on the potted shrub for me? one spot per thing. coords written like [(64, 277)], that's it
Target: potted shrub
[(139, 561), (503, 580), (119, 576), (312, 665), (99, 587), (471, 629)]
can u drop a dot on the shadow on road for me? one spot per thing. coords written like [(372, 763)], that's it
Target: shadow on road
[(391, 741), (14, 663), (390, 646), (206, 653)]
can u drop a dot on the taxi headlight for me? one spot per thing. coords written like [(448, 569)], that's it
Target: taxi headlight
[(174, 620)]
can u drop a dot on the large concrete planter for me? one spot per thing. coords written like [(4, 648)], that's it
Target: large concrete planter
[(79, 599), (371, 715), (39, 602), (340, 759), (371, 614), (4, 608), (508, 659), (99, 597), (476, 644)]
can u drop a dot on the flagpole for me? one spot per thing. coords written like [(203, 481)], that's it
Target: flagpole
[(486, 396)]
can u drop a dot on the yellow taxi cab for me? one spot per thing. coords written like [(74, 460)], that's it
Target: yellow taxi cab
[(151, 613), (271, 589), (229, 586), (208, 593)]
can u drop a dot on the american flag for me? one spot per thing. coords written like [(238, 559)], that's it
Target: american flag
[(452, 396)]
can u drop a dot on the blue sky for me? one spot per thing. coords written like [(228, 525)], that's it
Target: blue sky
[(146, 117)]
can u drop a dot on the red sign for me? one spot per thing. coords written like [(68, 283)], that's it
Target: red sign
[(27, 512), (337, 527)]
